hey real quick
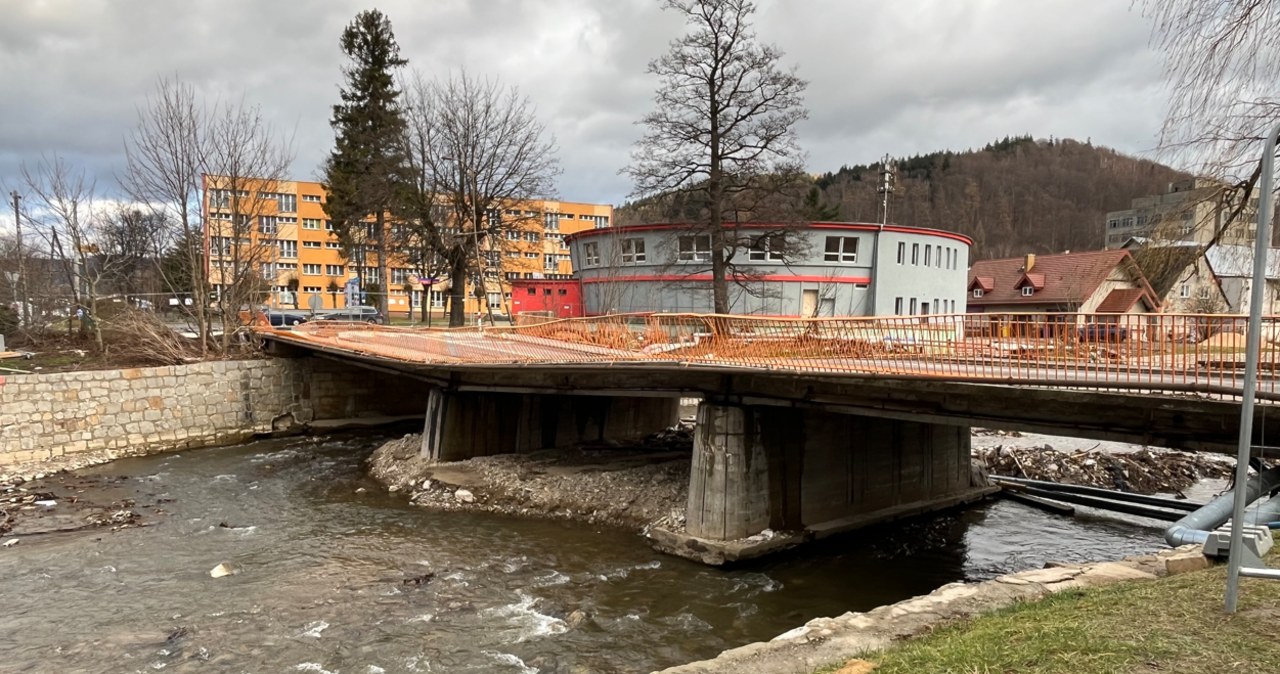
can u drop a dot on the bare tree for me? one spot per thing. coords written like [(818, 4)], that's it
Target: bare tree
[(166, 158), (478, 156), (1221, 66), (180, 142), (724, 123), (68, 220), (246, 158)]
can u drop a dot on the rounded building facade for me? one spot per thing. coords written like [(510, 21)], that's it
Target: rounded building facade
[(808, 270)]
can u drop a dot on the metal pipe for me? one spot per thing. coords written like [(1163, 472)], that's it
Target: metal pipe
[(1195, 528), (1253, 339), (1174, 504), (1104, 504)]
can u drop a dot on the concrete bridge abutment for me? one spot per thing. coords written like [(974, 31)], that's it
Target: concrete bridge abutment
[(462, 425), (765, 478)]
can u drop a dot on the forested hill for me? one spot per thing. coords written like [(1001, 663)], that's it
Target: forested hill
[(1015, 196)]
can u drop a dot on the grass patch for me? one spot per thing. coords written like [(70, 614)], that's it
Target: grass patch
[(1170, 625)]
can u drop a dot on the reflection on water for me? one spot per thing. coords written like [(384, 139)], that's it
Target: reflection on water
[(324, 565)]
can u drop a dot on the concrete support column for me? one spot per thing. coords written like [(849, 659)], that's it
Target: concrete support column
[(729, 480)]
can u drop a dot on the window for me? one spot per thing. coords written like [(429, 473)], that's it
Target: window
[(694, 248), (841, 249), (267, 224), (562, 291), (219, 199), (437, 298), (591, 254), (977, 292), (938, 253), (310, 244), (1204, 292), (913, 306), (633, 251), (927, 249), (915, 253), (763, 249), (1028, 291), (902, 252), (1184, 291), (287, 266), (334, 270), (268, 270), (312, 198), (311, 223), (311, 289), (287, 220), (288, 248), (897, 301), (1113, 223), (332, 244), (549, 263), (328, 225), (311, 269), (287, 203), (551, 222)]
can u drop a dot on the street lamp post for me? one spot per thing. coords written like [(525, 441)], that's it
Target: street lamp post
[(25, 308)]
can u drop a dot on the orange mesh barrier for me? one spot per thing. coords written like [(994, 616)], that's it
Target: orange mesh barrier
[(1154, 352)]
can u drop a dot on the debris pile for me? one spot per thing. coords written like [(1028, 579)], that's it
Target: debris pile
[(1145, 471)]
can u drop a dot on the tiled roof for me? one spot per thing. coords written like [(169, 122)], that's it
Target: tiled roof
[(1121, 300), (1069, 278)]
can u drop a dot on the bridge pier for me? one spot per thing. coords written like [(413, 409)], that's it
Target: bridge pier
[(461, 425), (809, 473)]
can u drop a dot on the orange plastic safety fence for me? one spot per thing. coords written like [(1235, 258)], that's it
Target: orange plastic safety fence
[(1156, 352)]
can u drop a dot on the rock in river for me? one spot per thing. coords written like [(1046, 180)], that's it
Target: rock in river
[(464, 496), (224, 569)]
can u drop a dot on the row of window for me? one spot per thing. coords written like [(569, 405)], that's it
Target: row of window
[(921, 307), (697, 248), (943, 257)]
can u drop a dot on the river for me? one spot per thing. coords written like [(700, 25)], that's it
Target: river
[(324, 555)]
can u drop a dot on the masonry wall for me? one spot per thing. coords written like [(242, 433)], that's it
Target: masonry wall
[(145, 410)]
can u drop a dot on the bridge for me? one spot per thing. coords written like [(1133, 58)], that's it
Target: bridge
[(815, 425)]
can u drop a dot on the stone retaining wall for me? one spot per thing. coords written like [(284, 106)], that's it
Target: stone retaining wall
[(145, 410)]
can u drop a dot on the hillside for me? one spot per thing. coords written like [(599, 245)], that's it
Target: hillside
[(1014, 196)]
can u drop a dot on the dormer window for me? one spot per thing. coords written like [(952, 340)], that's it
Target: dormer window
[(1028, 291), (977, 292)]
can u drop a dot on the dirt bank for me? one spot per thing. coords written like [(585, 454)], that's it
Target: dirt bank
[(627, 487)]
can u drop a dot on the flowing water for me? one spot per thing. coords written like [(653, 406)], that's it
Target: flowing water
[(324, 563)]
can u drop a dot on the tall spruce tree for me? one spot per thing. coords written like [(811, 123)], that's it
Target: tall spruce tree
[(367, 167)]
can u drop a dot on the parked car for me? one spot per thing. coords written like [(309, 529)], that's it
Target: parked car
[(360, 314), (1103, 332), (285, 319)]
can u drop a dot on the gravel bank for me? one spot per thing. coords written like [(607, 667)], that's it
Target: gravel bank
[(627, 487)]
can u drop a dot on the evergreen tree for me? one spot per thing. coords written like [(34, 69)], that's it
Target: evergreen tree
[(366, 170)]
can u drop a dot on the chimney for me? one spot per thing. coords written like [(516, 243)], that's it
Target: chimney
[(1029, 263)]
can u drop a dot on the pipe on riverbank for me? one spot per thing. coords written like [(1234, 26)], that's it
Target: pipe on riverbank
[(1195, 528)]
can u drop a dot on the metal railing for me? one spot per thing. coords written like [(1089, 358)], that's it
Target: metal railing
[(1167, 353)]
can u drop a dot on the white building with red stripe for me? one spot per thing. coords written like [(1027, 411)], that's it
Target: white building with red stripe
[(811, 269)]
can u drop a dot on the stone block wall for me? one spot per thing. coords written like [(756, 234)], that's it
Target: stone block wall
[(144, 410)]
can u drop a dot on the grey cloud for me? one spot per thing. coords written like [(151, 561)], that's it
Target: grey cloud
[(897, 77)]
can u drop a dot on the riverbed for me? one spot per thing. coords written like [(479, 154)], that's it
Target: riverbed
[(336, 575)]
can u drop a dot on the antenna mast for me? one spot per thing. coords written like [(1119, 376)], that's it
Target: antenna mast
[(886, 188)]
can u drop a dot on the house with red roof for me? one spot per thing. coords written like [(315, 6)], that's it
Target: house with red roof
[(1094, 282)]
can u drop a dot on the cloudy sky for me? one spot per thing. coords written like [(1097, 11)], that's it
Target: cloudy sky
[(898, 77)]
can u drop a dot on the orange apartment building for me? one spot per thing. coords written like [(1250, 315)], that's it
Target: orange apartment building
[(281, 230)]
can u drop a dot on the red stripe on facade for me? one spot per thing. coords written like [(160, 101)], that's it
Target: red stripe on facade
[(776, 278)]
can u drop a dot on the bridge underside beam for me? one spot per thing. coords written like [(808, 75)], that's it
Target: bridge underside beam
[(463, 425)]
